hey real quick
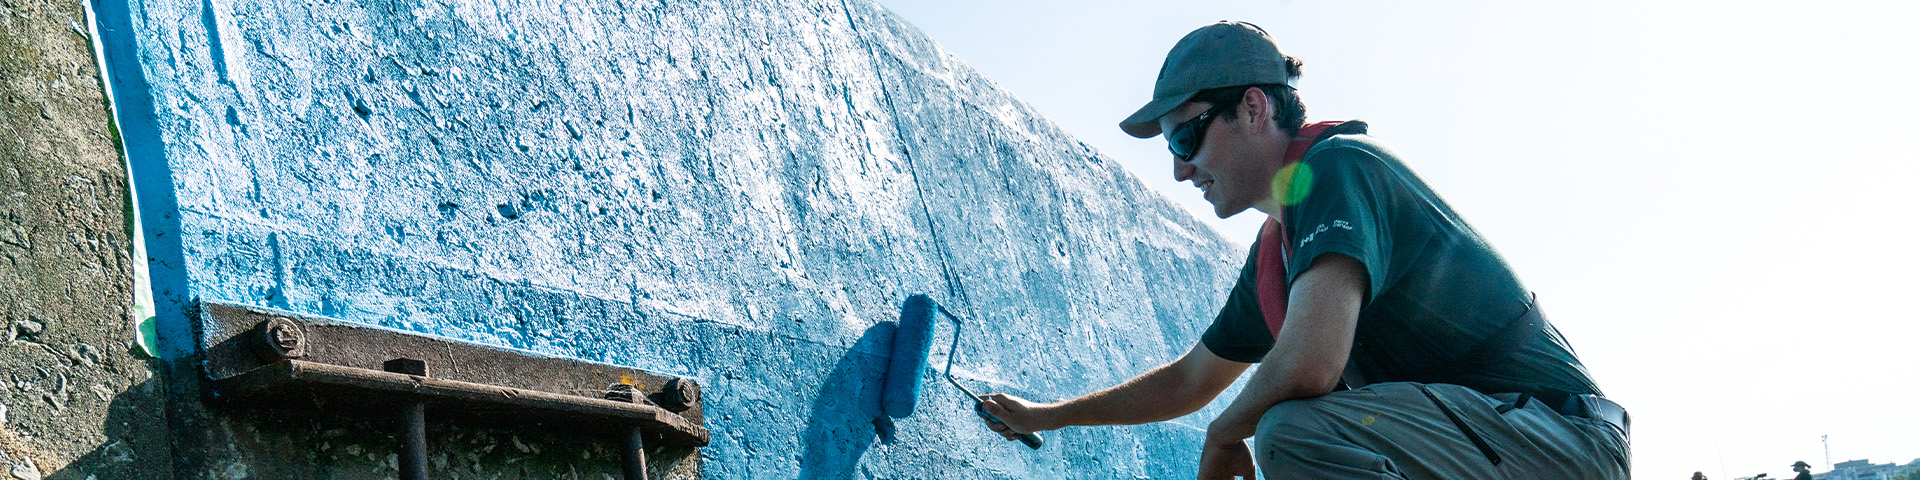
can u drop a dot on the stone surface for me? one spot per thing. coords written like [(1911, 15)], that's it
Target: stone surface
[(25, 470), (72, 389), (738, 191)]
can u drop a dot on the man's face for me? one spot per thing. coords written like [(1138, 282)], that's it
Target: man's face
[(1229, 173)]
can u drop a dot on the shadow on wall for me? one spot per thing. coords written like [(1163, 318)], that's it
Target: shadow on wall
[(132, 414), (843, 422)]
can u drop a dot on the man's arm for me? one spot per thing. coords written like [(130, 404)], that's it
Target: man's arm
[(1306, 360), (1323, 308), (1164, 393)]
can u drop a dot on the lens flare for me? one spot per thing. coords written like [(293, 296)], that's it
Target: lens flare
[(1292, 183)]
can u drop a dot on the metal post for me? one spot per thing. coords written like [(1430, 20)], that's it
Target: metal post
[(634, 462), (413, 422), (413, 441)]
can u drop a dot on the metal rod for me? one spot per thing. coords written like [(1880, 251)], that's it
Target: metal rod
[(1033, 440), (413, 441), (457, 397), (634, 462)]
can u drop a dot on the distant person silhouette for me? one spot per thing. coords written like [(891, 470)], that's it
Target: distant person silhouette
[(1803, 468)]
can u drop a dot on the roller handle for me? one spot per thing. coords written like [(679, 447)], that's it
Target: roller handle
[(1032, 440)]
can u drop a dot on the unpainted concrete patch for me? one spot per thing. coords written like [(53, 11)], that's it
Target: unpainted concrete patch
[(65, 266)]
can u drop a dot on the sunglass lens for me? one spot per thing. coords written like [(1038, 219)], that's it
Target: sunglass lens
[(1180, 142)]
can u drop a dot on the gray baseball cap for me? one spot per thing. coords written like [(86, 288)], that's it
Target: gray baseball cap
[(1225, 54)]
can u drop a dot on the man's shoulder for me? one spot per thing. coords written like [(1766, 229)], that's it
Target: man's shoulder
[(1350, 158), (1341, 147)]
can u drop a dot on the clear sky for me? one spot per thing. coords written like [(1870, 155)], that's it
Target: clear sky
[(1716, 201)]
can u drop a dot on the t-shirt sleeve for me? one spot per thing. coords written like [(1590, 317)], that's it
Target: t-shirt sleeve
[(1338, 201), (1239, 333)]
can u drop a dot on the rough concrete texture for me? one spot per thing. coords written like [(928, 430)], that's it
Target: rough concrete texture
[(289, 441), (738, 191), (74, 402)]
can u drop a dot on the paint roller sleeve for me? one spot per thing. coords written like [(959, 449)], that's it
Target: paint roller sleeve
[(912, 342)]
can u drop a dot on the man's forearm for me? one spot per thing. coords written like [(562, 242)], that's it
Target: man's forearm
[(1143, 399), (1164, 393), (1269, 385), (1285, 375)]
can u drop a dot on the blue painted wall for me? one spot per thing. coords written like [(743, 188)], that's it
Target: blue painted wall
[(738, 191)]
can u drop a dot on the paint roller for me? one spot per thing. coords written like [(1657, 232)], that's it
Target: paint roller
[(912, 343)]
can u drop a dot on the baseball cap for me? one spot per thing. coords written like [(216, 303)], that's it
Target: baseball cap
[(1225, 54)]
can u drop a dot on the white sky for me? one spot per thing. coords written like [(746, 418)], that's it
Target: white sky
[(1715, 200)]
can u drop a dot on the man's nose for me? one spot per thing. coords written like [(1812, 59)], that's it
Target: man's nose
[(1182, 170)]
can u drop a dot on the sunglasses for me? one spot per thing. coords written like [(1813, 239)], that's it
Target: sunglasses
[(1185, 139)]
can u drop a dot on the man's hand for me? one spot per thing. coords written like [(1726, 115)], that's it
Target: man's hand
[(1225, 459), (1017, 415)]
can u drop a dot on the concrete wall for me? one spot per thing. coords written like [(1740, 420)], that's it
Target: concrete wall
[(74, 398), (738, 191)]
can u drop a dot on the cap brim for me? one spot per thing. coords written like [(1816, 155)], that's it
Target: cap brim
[(1145, 122)]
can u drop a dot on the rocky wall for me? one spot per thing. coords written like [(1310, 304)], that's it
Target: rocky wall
[(740, 191)]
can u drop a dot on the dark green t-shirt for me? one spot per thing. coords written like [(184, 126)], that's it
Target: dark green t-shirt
[(1435, 288)]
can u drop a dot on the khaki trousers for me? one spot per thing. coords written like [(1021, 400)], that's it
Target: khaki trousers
[(1393, 430)]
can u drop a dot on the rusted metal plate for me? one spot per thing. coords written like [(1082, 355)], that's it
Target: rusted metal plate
[(374, 387), (259, 352)]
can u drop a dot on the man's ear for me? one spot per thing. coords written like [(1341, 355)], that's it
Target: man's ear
[(1259, 108)]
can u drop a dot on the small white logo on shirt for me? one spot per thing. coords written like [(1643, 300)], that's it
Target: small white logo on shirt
[(1340, 224)]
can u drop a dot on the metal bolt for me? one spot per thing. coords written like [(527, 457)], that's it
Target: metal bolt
[(679, 395), (282, 338)]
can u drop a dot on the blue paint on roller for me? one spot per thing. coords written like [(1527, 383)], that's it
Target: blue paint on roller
[(911, 344)]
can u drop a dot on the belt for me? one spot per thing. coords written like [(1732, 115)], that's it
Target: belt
[(1596, 407)]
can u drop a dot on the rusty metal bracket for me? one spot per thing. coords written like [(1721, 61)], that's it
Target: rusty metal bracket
[(259, 353)]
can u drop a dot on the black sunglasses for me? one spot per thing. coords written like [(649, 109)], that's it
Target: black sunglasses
[(1185, 139)]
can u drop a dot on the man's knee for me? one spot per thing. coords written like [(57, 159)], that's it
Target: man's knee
[(1303, 438), (1293, 423), (1289, 417), (1281, 426), (1343, 409)]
